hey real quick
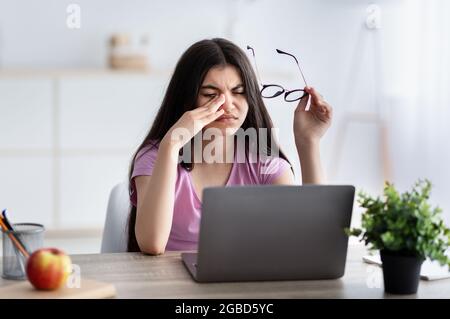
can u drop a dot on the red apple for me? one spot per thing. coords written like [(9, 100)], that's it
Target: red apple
[(48, 268)]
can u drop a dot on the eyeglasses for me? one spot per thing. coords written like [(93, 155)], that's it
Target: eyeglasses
[(270, 91)]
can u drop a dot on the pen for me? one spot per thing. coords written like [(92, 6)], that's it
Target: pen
[(16, 243), (6, 220), (9, 226)]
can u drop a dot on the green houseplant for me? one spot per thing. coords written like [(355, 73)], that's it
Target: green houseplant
[(406, 230)]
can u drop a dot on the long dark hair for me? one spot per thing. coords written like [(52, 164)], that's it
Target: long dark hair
[(181, 96)]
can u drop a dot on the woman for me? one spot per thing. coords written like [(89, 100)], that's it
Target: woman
[(213, 87)]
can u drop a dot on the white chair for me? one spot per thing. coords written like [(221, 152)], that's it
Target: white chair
[(115, 236)]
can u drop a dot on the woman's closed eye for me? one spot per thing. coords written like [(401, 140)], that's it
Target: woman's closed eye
[(238, 89), (210, 95)]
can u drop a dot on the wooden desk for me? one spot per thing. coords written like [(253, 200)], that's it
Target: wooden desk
[(139, 276)]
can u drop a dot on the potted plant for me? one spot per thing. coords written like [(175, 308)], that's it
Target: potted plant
[(406, 230)]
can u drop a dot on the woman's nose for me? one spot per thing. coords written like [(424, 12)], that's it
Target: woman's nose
[(227, 106)]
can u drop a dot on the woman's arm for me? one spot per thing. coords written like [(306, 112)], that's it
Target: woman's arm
[(309, 127), (310, 163), (156, 193), (155, 202)]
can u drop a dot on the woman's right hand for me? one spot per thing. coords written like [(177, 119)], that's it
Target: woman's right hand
[(192, 122)]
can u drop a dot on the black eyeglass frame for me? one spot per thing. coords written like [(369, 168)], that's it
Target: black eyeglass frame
[(281, 89)]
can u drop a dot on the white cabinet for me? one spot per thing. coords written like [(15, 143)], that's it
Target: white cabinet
[(67, 138), (85, 185), (25, 141), (25, 113), (26, 188), (107, 112)]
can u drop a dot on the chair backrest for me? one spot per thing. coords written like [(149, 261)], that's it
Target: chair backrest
[(114, 238)]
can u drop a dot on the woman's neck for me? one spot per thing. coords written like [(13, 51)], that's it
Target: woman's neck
[(218, 150)]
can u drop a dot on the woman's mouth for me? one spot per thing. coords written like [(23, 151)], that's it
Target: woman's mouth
[(226, 119)]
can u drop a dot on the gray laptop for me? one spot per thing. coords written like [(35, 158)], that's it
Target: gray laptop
[(250, 233)]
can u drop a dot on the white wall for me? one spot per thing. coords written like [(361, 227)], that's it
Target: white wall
[(337, 53)]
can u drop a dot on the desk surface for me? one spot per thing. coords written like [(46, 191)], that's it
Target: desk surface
[(139, 276)]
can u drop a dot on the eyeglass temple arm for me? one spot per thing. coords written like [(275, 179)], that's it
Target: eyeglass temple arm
[(256, 65), (298, 64)]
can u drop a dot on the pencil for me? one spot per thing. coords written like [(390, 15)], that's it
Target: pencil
[(9, 226), (13, 238), (5, 220)]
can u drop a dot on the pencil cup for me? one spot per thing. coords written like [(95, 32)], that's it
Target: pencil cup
[(27, 235)]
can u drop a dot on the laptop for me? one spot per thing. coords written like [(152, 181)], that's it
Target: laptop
[(267, 232)]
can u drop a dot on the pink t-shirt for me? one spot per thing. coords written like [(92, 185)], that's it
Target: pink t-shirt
[(187, 206)]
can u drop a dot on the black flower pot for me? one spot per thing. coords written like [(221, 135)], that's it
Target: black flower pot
[(401, 272)]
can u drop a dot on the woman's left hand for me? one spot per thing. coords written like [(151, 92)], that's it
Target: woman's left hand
[(310, 125)]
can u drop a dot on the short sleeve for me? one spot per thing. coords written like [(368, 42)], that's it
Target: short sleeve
[(143, 165), (272, 167), (144, 161)]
